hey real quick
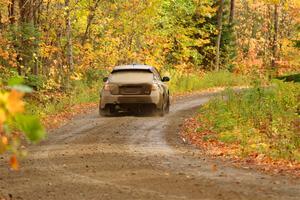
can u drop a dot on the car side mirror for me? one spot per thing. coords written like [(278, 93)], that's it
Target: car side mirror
[(105, 79), (165, 79)]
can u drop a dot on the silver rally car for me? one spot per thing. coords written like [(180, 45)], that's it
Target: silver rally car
[(134, 88)]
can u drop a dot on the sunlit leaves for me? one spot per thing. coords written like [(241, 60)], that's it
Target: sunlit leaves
[(185, 24), (255, 34), (2, 117), (13, 123)]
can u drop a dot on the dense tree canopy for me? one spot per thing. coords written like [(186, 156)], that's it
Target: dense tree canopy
[(50, 42)]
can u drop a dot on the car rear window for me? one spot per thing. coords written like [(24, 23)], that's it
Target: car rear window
[(131, 76)]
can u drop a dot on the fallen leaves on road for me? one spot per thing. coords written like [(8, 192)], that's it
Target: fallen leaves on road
[(231, 152), (58, 119)]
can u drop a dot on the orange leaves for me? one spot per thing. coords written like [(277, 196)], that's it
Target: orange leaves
[(214, 168), (3, 144), (48, 50), (205, 140), (10, 104), (4, 54), (7, 53), (13, 162), (2, 117), (4, 140), (15, 103)]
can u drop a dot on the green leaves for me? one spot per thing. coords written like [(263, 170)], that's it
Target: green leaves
[(31, 126), (22, 88), (16, 83), (17, 80), (13, 123), (186, 24)]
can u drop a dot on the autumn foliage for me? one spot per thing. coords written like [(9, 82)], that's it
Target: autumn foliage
[(14, 124), (53, 43)]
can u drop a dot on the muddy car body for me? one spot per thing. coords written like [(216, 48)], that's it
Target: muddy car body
[(134, 88)]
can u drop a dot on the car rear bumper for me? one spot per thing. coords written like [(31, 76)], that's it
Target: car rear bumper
[(108, 99)]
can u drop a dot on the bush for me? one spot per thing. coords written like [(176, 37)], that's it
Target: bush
[(93, 75), (35, 81), (261, 120), (50, 103)]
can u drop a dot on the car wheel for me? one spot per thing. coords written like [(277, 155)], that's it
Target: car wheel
[(103, 112), (161, 112), (106, 112), (168, 106)]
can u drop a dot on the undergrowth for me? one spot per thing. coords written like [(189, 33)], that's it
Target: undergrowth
[(45, 103), (181, 83), (259, 120)]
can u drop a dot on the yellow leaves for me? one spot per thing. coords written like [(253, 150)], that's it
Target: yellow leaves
[(47, 51), (2, 117), (3, 98), (202, 42), (76, 76)]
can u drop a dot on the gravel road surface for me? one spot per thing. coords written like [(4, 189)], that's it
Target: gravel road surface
[(134, 157)]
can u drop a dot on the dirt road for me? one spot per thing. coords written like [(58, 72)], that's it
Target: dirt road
[(130, 157)]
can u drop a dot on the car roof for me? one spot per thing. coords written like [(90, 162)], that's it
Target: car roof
[(134, 67)]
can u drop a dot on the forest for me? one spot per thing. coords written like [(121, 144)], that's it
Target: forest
[(51, 43), (51, 51)]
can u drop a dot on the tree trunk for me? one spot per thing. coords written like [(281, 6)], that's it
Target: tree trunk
[(220, 17), (275, 39), (11, 12), (1, 21), (26, 11), (69, 37), (89, 21), (232, 9)]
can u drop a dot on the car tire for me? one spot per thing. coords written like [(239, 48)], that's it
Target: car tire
[(161, 111), (167, 110), (106, 112)]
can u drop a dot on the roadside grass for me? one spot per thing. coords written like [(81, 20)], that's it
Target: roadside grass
[(47, 103), (259, 121), (182, 83)]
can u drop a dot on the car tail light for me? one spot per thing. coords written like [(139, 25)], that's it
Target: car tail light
[(106, 87), (113, 89)]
